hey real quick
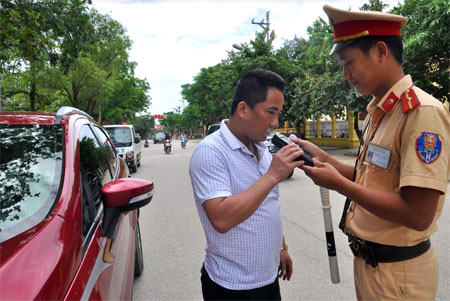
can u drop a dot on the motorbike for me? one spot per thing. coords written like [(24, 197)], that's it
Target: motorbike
[(183, 142), (167, 146), (146, 143)]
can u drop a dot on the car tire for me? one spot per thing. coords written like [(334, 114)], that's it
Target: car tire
[(138, 254)]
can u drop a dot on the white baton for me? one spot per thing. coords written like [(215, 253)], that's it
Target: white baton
[(331, 247)]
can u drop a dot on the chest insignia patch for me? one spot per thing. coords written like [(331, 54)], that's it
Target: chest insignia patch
[(428, 147)]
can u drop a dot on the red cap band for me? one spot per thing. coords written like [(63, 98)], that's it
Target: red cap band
[(374, 27)]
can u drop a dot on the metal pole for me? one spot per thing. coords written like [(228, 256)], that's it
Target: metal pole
[(331, 247)]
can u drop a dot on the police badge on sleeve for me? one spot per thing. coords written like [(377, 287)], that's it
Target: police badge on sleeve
[(428, 147)]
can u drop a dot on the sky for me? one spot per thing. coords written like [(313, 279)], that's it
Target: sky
[(174, 39)]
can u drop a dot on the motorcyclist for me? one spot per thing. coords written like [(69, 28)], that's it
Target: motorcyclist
[(183, 139), (167, 140)]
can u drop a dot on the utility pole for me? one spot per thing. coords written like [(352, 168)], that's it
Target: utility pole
[(267, 23), (182, 100)]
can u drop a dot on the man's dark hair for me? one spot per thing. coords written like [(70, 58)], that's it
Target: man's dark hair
[(394, 44), (253, 86)]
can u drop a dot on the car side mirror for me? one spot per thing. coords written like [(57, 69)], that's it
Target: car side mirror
[(137, 139), (123, 195)]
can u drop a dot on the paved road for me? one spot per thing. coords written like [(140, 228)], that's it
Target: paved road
[(174, 242)]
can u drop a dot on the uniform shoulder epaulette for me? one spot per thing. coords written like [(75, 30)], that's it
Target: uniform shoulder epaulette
[(389, 103), (409, 100)]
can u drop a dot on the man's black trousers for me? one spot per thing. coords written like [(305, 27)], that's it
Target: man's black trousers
[(213, 291)]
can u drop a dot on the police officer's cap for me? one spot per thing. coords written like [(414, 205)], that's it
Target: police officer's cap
[(349, 26)]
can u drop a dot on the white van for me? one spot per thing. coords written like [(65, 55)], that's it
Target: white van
[(127, 143)]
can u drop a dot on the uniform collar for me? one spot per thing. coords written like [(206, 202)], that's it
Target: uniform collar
[(234, 142), (392, 96)]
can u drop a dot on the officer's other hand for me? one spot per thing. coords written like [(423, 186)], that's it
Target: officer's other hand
[(323, 174), (283, 162), (285, 269), (311, 148)]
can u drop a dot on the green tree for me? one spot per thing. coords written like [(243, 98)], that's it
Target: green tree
[(427, 44), (144, 125), (29, 39)]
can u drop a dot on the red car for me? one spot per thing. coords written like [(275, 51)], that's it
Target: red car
[(68, 210)]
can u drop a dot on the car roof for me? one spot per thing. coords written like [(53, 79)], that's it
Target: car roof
[(27, 117), (15, 117)]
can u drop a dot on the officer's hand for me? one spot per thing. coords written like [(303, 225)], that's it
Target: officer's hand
[(283, 162), (323, 174), (285, 269), (311, 148)]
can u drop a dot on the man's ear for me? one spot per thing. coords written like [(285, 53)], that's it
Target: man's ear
[(381, 50), (241, 109)]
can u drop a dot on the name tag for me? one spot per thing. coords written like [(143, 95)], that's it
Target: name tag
[(378, 156)]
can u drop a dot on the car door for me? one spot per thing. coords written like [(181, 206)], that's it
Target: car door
[(106, 269)]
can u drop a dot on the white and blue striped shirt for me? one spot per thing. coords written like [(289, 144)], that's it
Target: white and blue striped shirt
[(247, 256)]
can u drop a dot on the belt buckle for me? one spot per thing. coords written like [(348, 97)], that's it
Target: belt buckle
[(354, 242)]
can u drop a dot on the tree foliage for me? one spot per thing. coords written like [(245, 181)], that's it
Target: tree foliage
[(61, 52), (427, 44)]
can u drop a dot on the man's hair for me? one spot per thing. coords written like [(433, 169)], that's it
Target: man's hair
[(394, 44), (253, 86)]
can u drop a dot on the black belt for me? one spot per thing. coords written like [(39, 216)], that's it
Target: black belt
[(373, 253)]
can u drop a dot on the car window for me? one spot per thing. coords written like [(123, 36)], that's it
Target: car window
[(30, 175), (94, 173), (212, 128), (109, 149)]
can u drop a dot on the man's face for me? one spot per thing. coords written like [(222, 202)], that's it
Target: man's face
[(359, 69), (263, 118)]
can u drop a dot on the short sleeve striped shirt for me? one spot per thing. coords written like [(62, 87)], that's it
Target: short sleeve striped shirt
[(247, 256)]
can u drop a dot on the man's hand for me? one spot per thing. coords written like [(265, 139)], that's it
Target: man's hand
[(324, 174), (283, 162), (285, 269), (311, 148)]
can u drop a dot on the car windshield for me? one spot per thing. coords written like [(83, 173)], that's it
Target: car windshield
[(120, 136), (30, 175)]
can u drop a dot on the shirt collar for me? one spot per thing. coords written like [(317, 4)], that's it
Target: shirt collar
[(392, 96)]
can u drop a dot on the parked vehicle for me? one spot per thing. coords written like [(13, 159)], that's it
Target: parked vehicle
[(167, 146), (183, 142), (69, 227), (212, 128), (127, 143), (273, 149), (159, 138)]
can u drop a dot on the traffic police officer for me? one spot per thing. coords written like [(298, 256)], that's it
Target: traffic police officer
[(396, 191)]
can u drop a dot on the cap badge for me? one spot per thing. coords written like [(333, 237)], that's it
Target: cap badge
[(428, 147)]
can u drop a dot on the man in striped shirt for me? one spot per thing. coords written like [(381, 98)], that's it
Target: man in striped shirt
[(235, 182)]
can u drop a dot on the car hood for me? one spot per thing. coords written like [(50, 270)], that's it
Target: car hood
[(40, 263)]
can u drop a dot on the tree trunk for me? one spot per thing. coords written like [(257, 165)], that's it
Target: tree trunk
[(33, 86), (75, 91)]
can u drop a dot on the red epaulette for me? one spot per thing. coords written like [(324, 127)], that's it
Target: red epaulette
[(390, 102), (409, 100)]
